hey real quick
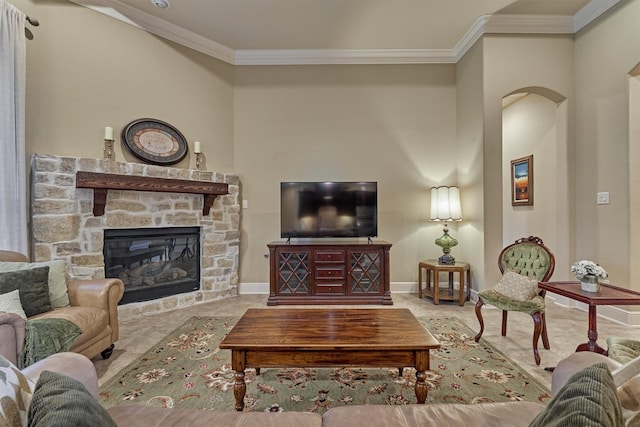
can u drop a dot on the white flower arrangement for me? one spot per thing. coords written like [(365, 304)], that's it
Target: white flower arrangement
[(584, 267)]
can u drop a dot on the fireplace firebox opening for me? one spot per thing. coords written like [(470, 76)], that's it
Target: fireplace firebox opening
[(153, 262)]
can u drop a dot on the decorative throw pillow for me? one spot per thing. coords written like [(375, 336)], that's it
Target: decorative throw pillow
[(33, 287), (62, 401), (588, 399), (516, 286), (15, 394), (57, 279), (10, 303)]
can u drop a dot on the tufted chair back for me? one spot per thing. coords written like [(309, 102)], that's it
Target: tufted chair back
[(528, 256)]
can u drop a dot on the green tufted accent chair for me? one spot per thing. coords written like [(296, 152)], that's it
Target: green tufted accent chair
[(530, 257)]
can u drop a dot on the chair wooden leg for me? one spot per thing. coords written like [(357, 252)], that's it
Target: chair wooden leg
[(504, 323), (479, 305), (545, 337), (537, 329)]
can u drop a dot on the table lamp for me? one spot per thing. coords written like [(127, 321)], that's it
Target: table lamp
[(445, 206)]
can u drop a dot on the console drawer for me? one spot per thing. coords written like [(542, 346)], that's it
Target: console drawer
[(327, 289), (329, 256), (330, 272)]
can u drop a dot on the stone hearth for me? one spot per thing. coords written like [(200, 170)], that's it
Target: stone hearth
[(63, 225)]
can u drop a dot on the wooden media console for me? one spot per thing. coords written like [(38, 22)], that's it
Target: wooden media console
[(329, 273)]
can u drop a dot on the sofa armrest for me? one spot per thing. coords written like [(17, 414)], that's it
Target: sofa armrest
[(74, 365), (576, 362), (12, 332), (99, 293)]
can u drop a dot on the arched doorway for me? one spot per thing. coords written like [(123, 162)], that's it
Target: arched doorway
[(534, 122)]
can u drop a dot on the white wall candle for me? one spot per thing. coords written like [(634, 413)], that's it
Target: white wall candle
[(108, 133), (196, 147)]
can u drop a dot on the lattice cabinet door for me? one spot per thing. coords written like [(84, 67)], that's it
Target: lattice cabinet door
[(294, 271), (365, 272)]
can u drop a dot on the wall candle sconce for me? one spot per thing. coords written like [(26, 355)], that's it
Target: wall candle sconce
[(108, 144), (199, 156)]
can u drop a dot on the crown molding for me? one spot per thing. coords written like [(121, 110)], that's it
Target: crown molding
[(486, 24), (132, 16), (472, 35), (344, 56), (529, 24), (590, 12)]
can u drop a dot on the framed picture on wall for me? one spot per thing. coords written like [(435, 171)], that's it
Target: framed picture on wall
[(522, 181)]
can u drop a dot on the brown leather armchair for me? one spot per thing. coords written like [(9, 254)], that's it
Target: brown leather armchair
[(93, 306)]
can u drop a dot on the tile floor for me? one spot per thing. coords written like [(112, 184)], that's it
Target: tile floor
[(567, 328)]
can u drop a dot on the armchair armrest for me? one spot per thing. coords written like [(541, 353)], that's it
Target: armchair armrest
[(12, 332), (99, 293)]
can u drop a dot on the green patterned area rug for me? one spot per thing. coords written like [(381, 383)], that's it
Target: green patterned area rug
[(187, 370)]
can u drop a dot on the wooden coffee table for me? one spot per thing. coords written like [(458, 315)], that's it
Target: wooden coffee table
[(331, 337)]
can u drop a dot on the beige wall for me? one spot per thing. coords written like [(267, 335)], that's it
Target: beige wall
[(511, 64), (469, 156), (86, 71), (408, 127), (634, 174), (390, 124), (605, 54)]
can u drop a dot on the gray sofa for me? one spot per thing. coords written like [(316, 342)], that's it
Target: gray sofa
[(486, 414), (583, 393), (578, 365)]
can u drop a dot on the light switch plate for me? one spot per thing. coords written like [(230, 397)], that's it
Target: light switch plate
[(245, 204), (603, 198)]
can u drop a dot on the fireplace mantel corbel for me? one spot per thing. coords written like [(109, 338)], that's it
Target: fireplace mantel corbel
[(102, 182)]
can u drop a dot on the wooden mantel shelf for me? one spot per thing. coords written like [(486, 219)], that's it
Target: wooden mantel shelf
[(102, 182)]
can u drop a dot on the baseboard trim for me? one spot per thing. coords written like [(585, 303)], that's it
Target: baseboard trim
[(613, 313), (253, 289)]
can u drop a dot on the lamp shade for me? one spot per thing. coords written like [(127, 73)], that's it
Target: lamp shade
[(445, 204)]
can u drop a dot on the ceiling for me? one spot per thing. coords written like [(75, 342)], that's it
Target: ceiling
[(255, 32)]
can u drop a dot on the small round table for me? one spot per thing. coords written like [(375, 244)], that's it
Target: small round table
[(432, 270)]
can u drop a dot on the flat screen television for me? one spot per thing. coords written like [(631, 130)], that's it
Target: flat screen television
[(328, 209)]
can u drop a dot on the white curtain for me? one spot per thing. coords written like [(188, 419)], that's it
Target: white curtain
[(13, 177)]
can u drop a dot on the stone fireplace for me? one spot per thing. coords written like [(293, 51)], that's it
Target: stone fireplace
[(67, 222)]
